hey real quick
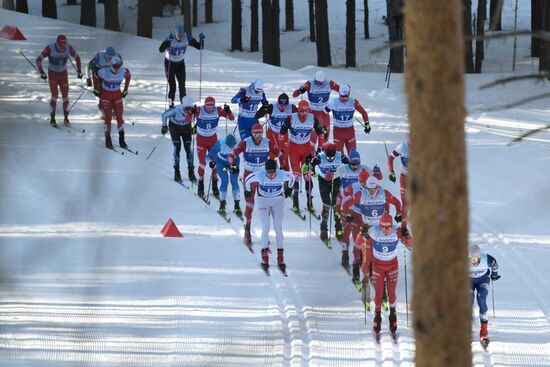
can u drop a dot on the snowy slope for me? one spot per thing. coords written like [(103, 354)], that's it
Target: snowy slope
[(87, 279)]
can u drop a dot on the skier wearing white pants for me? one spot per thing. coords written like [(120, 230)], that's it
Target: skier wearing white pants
[(272, 186)]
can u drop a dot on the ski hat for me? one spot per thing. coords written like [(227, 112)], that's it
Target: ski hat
[(474, 251), (110, 51), (257, 85), (283, 99), (372, 182), (386, 220), (354, 157), (210, 101), (363, 175), (270, 165), (320, 76), (116, 62), (345, 90), (330, 150), (257, 129), (180, 30), (186, 102), (302, 105), (61, 39), (230, 141)]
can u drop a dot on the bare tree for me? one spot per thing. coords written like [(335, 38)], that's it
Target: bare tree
[(186, 8), (350, 33), (87, 13), (495, 22), (270, 32), (236, 25), (145, 18), (49, 9), (111, 15), (22, 6), (480, 32), (311, 4), (195, 13), (322, 33), (435, 95), (395, 30), (8, 5), (208, 12), (254, 26), (467, 25), (289, 15), (366, 19), (536, 25), (544, 59)]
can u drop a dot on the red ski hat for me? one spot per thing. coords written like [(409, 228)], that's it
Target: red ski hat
[(330, 150), (386, 220), (61, 40), (303, 105), (363, 176), (257, 129), (210, 101)]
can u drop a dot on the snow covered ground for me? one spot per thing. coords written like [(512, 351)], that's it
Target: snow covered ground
[(88, 280)]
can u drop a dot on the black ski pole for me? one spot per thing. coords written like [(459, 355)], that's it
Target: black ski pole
[(406, 288), (29, 61), (74, 67), (192, 158), (159, 139), (330, 211), (493, 296), (208, 191), (80, 96)]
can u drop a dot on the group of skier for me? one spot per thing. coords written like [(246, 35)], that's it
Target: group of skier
[(295, 146)]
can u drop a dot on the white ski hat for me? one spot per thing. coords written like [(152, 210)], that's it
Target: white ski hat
[(474, 251), (372, 182), (187, 101), (258, 85), (345, 90), (320, 76)]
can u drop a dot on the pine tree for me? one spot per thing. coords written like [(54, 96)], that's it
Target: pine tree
[(289, 15), (236, 25), (208, 12), (366, 19), (467, 25), (270, 32), (145, 18), (481, 9), (22, 6), (111, 15), (311, 12), (350, 33), (49, 9), (87, 13), (254, 27), (322, 33)]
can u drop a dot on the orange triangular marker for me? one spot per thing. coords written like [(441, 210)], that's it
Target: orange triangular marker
[(170, 229), (12, 33)]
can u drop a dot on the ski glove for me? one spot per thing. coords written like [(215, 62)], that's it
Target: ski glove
[(495, 277), (193, 110), (305, 168), (376, 170), (288, 192), (302, 90), (88, 82), (398, 217), (247, 194), (226, 108), (405, 232), (96, 92), (212, 164), (392, 177), (194, 130), (43, 75), (349, 218), (367, 127), (234, 169), (163, 129), (124, 93), (338, 215), (79, 75), (245, 99)]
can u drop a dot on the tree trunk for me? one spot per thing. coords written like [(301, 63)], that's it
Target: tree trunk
[(366, 19), (536, 25), (186, 8), (395, 30), (467, 26), (8, 5), (439, 207), (481, 9), (270, 32), (87, 13), (254, 27), (157, 8), (195, 13), (111, 15), (289, 15), (22, 6), (208, 12), (72, 2), (312, 37), (49, 9), (350, 34), (495, 23), (322, 33), (236, 25), (145, 18), (544, 60)]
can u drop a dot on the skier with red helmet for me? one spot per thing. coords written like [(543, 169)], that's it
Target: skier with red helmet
[(403, 151), (58, 53)]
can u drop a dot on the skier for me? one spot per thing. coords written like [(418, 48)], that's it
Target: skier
[(318, 93), (272, 186), (277, 115), (107, 83), (248, 99), (403, 151), (174, 47), (325, 165), (217, 159), (483, 269), (349, 175), (57, 53), (180, 118), (300, 125), (380, 248), (102, 59), (206, 127), (256, 150), (372, 202), (343, 109)]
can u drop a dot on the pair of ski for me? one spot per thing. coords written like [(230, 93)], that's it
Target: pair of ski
[(377, 337), (265, 268), (484, 344), (118, 149), (228, 219), (302, 216), (69, 128)]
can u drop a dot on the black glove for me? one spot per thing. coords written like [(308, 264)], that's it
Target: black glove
[(163, 129), (245, 99), (392, 177), (308, 159), (226, 108), (367, 127), (202, 36), (495, 277), (124, 93), (194, 129), (79, 75), (405, 232), (43, 75), (247, 194), (88, 82), (96, 93), (318, 151), (288, 192), (302, 90), (376, 170), (193, 110), (364, 229), (398, 217), (212, 164), (349, 218), (234, 169)]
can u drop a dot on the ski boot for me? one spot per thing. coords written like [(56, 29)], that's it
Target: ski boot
[(355, 274), (171, 104), (221, 210), (248, 237), (237, 209), (484, 335), (215, 191), (339, 233), (345, 259), (108, 142), (200, 190), (265, 259), (393, 321), (66, 118), (324, 232), (281, 260), (121, 140), (365, 295), (191, 174), (52, 120), (177, 175), (377, 323), (295, 202)]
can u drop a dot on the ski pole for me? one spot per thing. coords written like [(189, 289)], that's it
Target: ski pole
[(208, 191), (330, 211), (493, 296), (159, 139), (192, 148), (167, 82), (81, 86), (80, 96), (29, 61), (200, 68), (359, 121), (406, 291), (386, 147), (74, 67), (309, 200)]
